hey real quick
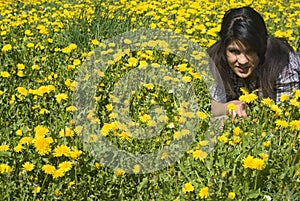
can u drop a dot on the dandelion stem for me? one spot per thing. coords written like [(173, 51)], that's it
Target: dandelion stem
[(255, 182), (295, 158), (44, 181)]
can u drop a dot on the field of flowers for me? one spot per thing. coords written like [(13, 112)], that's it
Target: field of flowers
[(46, 44)]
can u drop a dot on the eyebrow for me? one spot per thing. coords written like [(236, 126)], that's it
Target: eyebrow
[(240, 46)]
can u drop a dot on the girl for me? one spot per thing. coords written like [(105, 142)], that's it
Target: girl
[(246, 56)]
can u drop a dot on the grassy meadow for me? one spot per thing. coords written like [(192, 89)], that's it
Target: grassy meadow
[(50, 143)]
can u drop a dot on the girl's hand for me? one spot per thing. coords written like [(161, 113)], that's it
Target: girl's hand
[(240, 109)]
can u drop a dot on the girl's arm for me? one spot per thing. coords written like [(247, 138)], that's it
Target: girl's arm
[(220, 109)]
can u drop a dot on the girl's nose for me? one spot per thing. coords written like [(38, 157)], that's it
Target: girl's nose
[(242, 59)]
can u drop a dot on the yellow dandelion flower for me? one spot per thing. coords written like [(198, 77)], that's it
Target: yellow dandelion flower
[(61, 150), (71, 67), (163, 118), (42, 145), (18, 148), (25, 140), (281, 123), (3, 33), (144, 118), (71, 183), (276, 109), (127, 41), (177, 135), (35, 67), (237, 139), (22, 91), (28, 166), (203, 143), (284, 97), (109, 107), (6, 48), (132, 62), (184, 132), (72, 46), (66, 50), (36, 189), (44, 111), (5, 74), (223, 137), (113, 115), (267, 143), (244, 90), (295, 102), (71, 108), (231, 195), (97, 165), (119, 172), (199, 154), (65, 166), (74, 154), (186, 79), (136, 169), (164, 155), (66, 132), (155, 65), (201, 115), (48, 169), (78, 130), (295, 125), (61, 96), (204, 192), (71, 85), (20, 66), (248, 98), (125, 135), (237, 131), (95, 42), (20, 74), (41, 131), (264, 156), (58, 173), (30, 45), (57, 192), (182, 67), (143, 64), (253, 163), (188, 187), (4, 147), (5, 168), (76, 62), (223, 174), (149, 86), (106, 128), (297, 93), (231, 107)]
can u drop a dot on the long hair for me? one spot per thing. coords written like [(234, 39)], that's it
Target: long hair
[(246, 25)]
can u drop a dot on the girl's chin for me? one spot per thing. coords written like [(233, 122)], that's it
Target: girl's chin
[(243, 75)]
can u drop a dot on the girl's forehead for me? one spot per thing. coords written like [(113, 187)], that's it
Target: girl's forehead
[(239, 44)]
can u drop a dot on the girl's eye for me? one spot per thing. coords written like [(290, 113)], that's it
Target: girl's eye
[(234, 51)]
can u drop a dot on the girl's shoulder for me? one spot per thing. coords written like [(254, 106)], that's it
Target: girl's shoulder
[(275, 42), (294, 60)]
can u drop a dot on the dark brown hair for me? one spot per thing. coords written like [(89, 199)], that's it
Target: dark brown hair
[(246, 25)]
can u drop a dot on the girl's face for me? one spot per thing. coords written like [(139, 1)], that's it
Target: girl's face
[(241, 59)]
